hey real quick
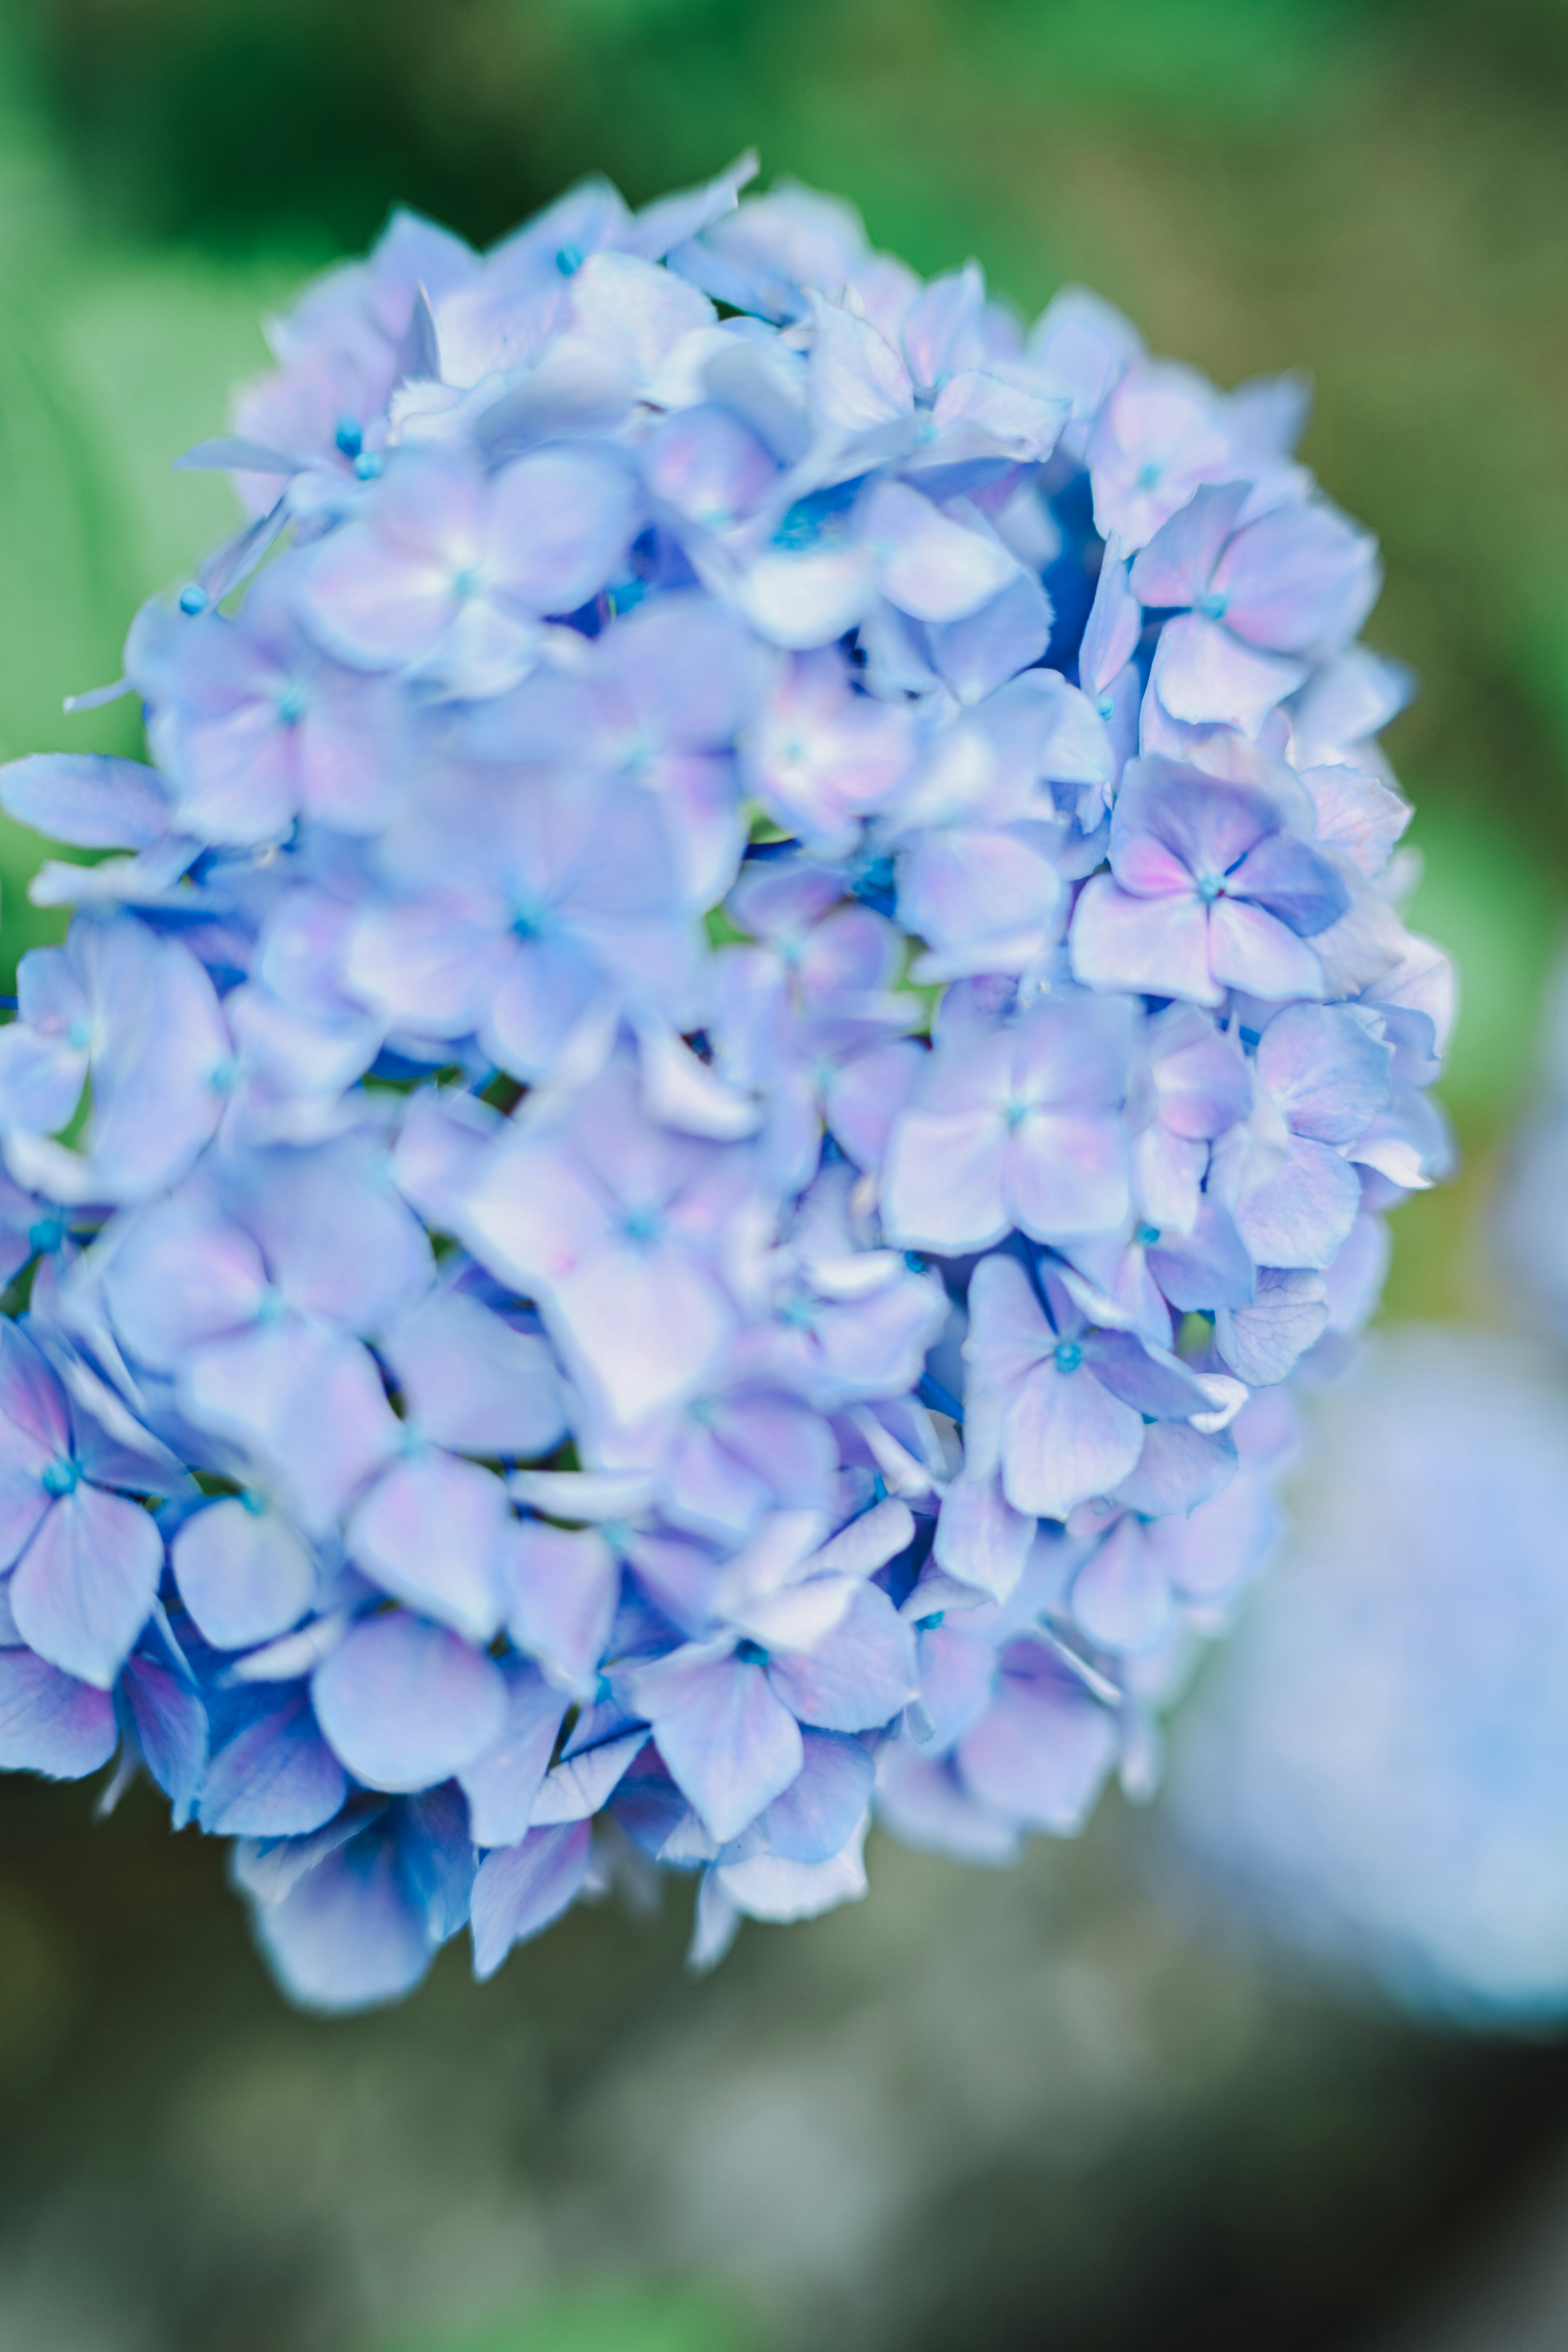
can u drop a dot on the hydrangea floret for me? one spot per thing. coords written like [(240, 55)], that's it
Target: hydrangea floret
[(749, 1015)]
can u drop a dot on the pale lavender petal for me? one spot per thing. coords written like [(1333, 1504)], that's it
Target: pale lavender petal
[(857, 1676), (931, 567), (1119, 1596), (1065, 1438), (1330, 1076), (306, 1402), (85, 798), (1178, 1468), (943, 1181), (1304, 1212), (730, 1744), (1250, 950), (35, 1431), (1204, 674), (1298, 579), (243, 1572), (980, 1538), (1067, 1173), (1158, 947), (407, 1704), (560, 523), (432, 1531), (474, 1383), (180, 1275), (1176, 566), (1262, 1342)]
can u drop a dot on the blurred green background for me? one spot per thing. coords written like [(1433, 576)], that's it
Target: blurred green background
[(1376, 188)]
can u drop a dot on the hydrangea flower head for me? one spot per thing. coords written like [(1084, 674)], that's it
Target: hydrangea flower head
[(748, 1016)]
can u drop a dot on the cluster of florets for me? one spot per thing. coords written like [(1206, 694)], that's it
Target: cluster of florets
[(751, 1013)]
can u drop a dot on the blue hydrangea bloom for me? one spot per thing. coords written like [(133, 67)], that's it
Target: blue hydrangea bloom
[(750, 1013)]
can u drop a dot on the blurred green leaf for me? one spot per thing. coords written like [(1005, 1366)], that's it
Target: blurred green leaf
[(626, 2319), (1485, 898)]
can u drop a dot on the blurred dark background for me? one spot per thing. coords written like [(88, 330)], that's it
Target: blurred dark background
[(1025, 2110)]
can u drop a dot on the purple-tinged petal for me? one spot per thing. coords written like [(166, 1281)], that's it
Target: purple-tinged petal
[(821, 1807), (1262, 1342), (276, 1778), (521, 1890), (171, 1726), (50, 1722), (502, 1784), (1179, 1468), (1041, 1751), (1206, 1267), (35, 1431), (83, 1590), (178, 1274), (1298, 579), (1330, 1076), (1119, 1596), (562, 1586), (1302, 1213), (1176, 566)]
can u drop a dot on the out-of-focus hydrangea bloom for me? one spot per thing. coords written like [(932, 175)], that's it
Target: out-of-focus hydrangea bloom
[(1379, 1775), (751, 1012)]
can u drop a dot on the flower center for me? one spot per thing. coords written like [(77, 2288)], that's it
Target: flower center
[(291, 705), (80, 1035), (1146, 1236), (750, 1653), (569, 260), (1069, 1356), (1149, 475), (45, 1235), (348, 436), (193, 599), (641, 1225), (62, 1476), (1210, 888), (1213, 607)]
